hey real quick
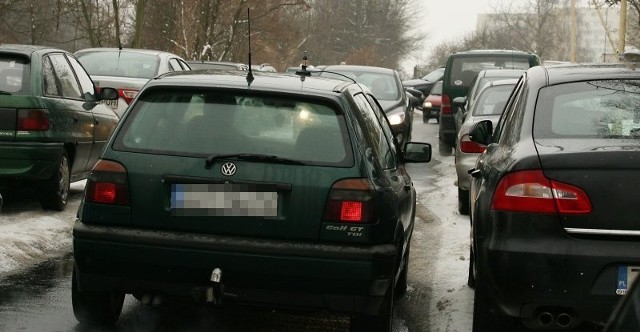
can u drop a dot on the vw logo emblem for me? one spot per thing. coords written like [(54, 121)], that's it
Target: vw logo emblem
[(228, 169)]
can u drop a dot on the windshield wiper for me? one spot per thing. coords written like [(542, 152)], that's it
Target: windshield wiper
[(250, 156), (2, 92)]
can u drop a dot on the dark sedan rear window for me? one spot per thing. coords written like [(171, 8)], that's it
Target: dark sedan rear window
[(595, 109), (13, 74), (120, 63), (204, 123)]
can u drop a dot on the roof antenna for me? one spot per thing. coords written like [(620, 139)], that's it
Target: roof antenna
[(303, 72), (250, 73)]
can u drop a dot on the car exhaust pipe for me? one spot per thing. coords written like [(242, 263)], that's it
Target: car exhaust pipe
[(564, 320), (545, 318)]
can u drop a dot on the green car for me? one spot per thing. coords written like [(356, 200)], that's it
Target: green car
[(52, 127), (282, 191)]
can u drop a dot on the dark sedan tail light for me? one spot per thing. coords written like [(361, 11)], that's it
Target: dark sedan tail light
[(108, 184), (445, 107), (351, 201), (531, 191), (33, 120), (467, 146)]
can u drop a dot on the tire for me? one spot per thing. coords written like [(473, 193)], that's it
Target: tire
[(55, 190), (95, 308), (444, 149), (463, 201), (382, 322), (425, 118)]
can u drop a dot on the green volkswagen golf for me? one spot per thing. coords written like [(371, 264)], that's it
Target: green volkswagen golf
[(275, 190)]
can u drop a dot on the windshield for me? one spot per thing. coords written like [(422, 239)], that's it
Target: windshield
[(120, 63), (204, 123)]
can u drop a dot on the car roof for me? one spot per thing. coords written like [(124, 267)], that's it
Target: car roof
[(491, 52), (130, 50), (584, 72), (357, 68), (263, 81), (27, 49)]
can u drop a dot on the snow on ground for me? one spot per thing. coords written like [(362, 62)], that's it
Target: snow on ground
[(28, 236)]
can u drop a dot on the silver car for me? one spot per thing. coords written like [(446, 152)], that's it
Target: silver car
[(127, 70), (488, 105)]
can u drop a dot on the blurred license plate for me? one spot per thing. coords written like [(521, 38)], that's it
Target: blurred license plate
[(626, 276), (111, 103), (227, 200)]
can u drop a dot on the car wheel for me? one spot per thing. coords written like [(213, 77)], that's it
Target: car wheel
[(95, 308), (425, 118), (463, 201), (444, 149), (382, 322), (55, 190)]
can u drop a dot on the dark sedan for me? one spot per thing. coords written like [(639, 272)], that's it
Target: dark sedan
[(555, 232)]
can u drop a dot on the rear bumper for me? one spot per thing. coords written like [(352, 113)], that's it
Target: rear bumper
[(29, 161), (447, 129), (526, 277), (276, 273), (431, 112)]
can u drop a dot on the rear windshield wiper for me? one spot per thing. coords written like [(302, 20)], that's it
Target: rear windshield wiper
[(250, 156), (4, 92)]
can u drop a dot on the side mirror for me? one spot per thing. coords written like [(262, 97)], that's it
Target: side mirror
[(107, 94), (481, 132), (417, 152), (460, 102)]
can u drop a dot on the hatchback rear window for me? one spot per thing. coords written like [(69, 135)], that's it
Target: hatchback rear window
[(120, 63), (595, 109), (204, 123), (492, 100), (13, 74), (465, 69)]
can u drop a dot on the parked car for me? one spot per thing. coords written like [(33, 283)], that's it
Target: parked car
[(431, 104), (219, 65), (553, 199), (264, 67), (464, 103), (282, 193), (52, 126), (386, 85), (488, 105), (460, 70), (127, 70)]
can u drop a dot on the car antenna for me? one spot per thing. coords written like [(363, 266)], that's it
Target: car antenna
[(250, 73), (303, 72)]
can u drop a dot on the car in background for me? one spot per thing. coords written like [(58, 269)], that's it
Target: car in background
[(426, 83), (285, 193), (431, 104), (127, 70), (488, 105), (553, 199), (264, 67), (386, 85), (460, 71), (52, 125), (217, 65), (465, 103)]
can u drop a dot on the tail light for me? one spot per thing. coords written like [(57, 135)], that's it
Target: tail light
[(445, 107), (127, 95), (108, 184), (531, 191), (33, 120), (467, 146), (350, 201)]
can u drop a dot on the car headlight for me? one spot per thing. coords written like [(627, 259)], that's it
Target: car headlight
[(396, 119), (426, 104)]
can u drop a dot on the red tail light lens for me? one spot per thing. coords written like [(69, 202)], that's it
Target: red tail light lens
[(108, 184), (531, 191), (467, 146), (350, 200), (445, 107), (33, 120), (127, 95)]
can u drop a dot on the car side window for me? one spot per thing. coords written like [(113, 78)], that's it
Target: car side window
[(384, 123), (375, 133), (68, 83), (49, 81), (508, 111), (86, 84), (185, 66), (174, 64)]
